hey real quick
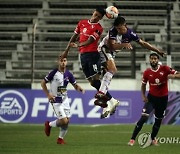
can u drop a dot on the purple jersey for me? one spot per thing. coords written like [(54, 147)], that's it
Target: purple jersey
[(113, 34), (59, 81), (125, 38)]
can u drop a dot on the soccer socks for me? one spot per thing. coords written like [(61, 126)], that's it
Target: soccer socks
[(63, 131), (156, 128), (53, 123), (139, 126), (105, 82)]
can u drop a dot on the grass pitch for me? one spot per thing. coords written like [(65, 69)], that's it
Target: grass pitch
[(81, 139)]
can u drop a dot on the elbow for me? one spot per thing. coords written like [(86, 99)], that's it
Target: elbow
[(112, 47)]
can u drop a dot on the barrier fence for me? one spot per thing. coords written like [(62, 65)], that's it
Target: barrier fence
[(31, 106)]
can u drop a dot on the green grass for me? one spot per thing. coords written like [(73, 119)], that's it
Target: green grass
[(81, 139)]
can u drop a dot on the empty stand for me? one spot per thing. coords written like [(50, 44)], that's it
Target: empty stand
[(56, 21)]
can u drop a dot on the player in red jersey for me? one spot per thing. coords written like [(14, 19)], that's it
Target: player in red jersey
[(157, 98), (88, 33)]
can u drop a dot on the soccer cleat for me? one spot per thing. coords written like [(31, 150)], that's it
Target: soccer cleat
[(47, 128), (114, 105), (101, 96), (154, 142), (60, 141), (100, 103), (105, 112), (131, 142)]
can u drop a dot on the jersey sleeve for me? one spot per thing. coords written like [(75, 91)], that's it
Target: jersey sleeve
[(145, 77), (72, 80), (50, 76), (134, 36), (170, 70), (112, 33)]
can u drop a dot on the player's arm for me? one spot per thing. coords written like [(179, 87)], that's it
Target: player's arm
[(46, 91), (85, 43), (150, 47), (78, 88), (174, 76), (113, 45), (70, 44), (143, 92)]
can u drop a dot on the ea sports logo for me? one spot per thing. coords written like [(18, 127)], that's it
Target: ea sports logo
[(13, 106)]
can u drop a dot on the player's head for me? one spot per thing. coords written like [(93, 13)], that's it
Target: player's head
[(120, 25), (97, 15), (154, 59), (62, 62)]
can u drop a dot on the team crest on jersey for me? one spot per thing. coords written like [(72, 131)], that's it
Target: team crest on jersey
[(84, 30), (66, 79), (157, 80)]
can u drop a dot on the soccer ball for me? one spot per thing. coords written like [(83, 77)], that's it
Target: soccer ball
[(112, 12)]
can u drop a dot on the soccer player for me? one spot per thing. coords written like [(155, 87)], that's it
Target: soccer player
[(118, 37), (59, 79), (157, 98), (88, 33)]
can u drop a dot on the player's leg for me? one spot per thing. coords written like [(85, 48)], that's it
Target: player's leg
[(111, 69), (49, 125), (54, 123), (91, 67), (106, 80), (147, 109), (160, 105), (62, 123)]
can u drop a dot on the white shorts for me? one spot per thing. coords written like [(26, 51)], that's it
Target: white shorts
[(60, 111), (109, 56)]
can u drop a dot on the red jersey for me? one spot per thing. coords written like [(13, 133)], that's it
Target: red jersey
[(158, 80), (85, 29)]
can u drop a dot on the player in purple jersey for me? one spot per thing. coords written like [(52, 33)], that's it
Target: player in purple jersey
[(118, 38), (57, 96)]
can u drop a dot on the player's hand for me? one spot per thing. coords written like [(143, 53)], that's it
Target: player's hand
[(127, 46), (74, 45), (145, 99), (171, 76), (162, 53), (63, 55), (81, 90), (51, 98)]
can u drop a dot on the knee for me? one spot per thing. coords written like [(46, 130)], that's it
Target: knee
[(111, 67), (158, 121), (113, 70), (62, 122), (65, 121), (143, 119), (95, 83)]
